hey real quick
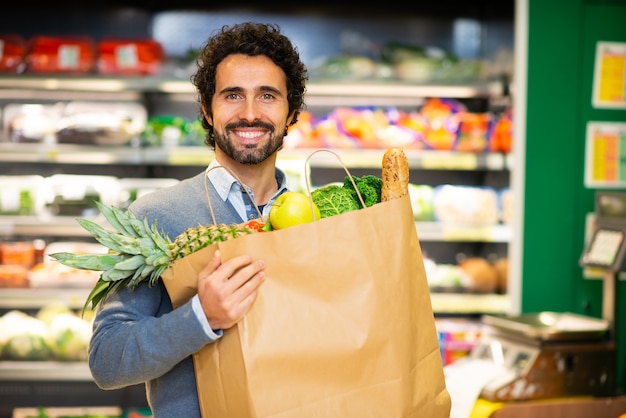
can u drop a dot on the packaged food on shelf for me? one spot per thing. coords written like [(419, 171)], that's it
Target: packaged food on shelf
[(101, 123), (484, 277), (13, 276), (422, 201), (473, 133), (21, 195), (441, 120), (172, 131), (31, 122), (470, 205), (505, 199), (61, 54), (20, 253), (52, 274), (501, 132), (74, 195), (12, 52), (129, 56), (457, 337)]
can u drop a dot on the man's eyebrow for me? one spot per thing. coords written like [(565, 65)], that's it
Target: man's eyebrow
[(233, 89), (270, 89)]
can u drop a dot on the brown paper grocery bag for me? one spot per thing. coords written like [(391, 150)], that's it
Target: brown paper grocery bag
[(343, 326)]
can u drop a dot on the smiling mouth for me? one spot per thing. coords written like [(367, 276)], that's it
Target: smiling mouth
[(249, 134)]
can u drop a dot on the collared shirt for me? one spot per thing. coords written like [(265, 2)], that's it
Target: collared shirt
[(229, 189)]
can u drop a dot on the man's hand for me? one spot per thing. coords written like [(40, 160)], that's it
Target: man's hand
[(228, 289)]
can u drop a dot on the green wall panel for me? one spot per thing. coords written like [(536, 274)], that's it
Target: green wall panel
[(562, 36)]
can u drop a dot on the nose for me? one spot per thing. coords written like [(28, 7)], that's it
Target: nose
[(250, 110)]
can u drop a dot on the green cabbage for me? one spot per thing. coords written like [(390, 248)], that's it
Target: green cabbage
[(334, 199), (369, 187)]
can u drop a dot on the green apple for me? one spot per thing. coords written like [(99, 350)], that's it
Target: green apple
[(292, 208)]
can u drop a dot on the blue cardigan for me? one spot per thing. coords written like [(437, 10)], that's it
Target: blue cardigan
[(137, 335)]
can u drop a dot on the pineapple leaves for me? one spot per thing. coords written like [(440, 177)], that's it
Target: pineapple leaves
[(96, 262), (98, 292), (138, 252), (118, 219)]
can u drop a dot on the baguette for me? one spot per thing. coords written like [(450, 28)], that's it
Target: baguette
[(395, 175)]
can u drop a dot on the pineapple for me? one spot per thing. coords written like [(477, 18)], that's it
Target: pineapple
[(137, 251)]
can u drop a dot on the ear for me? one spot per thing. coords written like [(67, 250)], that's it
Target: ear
[(290, 118), (206, 115)]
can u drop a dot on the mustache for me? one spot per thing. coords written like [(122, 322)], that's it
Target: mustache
[(243, 124)]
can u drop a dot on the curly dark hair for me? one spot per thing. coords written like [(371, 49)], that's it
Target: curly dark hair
[(249, 38)]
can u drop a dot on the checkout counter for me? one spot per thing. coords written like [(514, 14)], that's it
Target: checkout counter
[(550, 364)]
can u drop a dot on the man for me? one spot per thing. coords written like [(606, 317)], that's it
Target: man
[(251, 84)]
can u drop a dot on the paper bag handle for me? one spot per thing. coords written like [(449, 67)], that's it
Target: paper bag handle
[(208, 199), (308, 185)]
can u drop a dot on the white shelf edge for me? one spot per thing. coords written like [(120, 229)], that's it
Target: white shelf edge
[(197, 155)]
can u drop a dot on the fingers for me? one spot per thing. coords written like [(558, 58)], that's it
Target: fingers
[(228, 288), (215, 262)]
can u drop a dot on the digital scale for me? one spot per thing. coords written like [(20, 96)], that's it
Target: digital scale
[(606, 249), (542, 357), (547, 355)]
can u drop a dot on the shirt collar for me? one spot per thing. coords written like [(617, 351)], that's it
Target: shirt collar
[(224, 182)]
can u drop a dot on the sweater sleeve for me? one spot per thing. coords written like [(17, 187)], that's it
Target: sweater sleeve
[(137, 337)]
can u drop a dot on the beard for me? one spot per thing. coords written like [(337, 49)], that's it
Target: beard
[(251, 153)]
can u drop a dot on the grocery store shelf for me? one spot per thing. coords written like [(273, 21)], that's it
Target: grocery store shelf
[(469, 304), (44, 370), (435, 231), (201, 156), (427, 231), (35, 298), (366, 90), (38, 227)]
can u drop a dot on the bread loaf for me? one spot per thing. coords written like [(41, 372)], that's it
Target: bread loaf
[(395, 175)]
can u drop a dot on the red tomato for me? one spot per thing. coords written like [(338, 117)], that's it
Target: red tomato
[(255, 225)]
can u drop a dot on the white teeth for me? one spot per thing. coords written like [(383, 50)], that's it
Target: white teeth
[(250, 135)]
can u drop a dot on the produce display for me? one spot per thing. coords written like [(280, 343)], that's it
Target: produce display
[(138, 252), (82, 412), (54, 333), (440, 124)]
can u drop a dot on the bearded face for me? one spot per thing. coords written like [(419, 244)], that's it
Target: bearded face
[(250, 152)]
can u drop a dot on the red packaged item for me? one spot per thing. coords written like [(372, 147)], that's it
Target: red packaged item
[(50, 54), (12, 52), (129, 57)]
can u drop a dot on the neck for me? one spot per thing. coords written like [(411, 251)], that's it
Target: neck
[(261, 178)]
